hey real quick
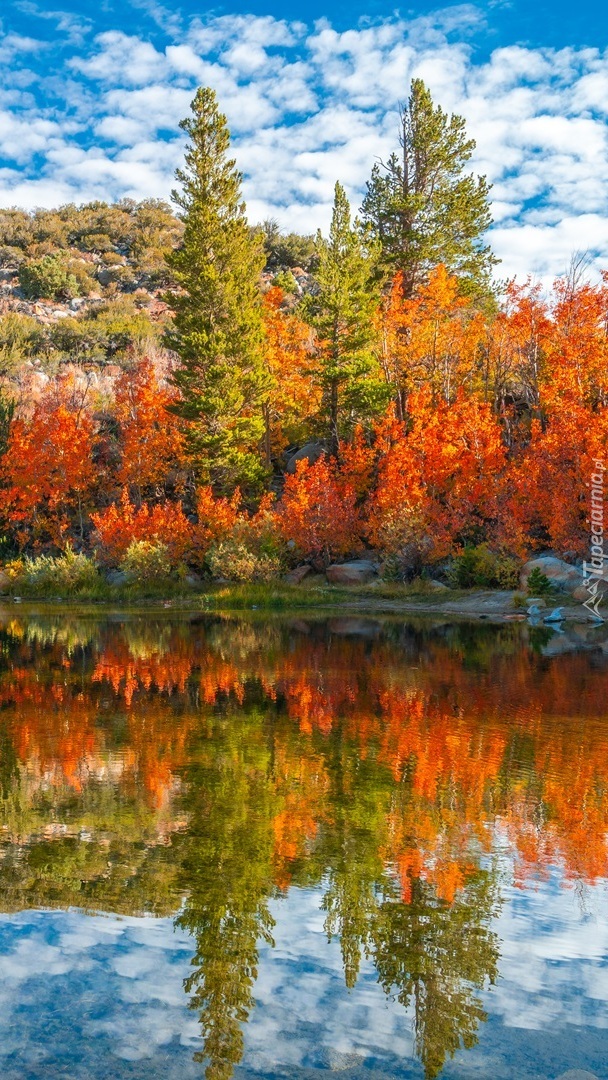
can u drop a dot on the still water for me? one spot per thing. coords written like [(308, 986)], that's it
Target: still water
[(290, 848)]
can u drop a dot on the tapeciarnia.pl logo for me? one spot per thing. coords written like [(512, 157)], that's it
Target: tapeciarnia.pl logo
[(595, 571)]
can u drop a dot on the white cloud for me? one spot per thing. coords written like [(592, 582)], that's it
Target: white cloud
[(308, 106), (121, 59)]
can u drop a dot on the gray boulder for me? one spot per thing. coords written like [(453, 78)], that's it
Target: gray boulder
[(562, 575), (117, 577), (358, 572), (311, 452)]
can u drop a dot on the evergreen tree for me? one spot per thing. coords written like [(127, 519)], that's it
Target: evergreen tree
[(341, 311), (422, 206), (217, 330)]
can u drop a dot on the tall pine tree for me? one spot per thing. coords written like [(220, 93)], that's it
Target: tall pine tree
[(217, 329), (342, 311), (423, 207)]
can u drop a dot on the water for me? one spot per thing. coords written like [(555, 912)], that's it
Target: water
[(289, 848)]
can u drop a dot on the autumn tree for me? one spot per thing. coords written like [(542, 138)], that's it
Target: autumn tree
[(48, 473), (318, 512), (341, 311), (422, 204), (150, 439), (217, 329), (291, 407)]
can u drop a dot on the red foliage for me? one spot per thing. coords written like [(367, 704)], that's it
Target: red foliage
[(151, 440), (48, 472), (318, 512), (120, 524)]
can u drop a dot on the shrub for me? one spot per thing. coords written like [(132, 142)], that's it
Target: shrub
[(483, 568), (69, 574), (318, 513), (118, 526), (147, 563), (233, 560), (286, 281), (539, 584), (47, 278)]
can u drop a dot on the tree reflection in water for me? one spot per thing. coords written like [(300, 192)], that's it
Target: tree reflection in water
[(204, 767)]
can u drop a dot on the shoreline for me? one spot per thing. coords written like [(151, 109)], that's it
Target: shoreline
[(491, 605)]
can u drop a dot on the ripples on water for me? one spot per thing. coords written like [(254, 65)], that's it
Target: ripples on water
[(279, 849)]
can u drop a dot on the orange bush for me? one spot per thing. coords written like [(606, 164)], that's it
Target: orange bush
[(318, 512), (120, 524), (48, 473)]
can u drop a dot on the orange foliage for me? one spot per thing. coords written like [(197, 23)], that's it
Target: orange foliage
[(48, 471), (431, 340), (318, 512), (293, 400), (165, 523), (151, 441), (439, 482), (121, 523)]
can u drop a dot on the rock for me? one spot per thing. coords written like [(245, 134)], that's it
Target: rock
[(581, 593), (538, 601), (358, 572), (117, 577), (193, 580), (437, 585), (311, 452), (562, 575), (105, 275), (295, 576)]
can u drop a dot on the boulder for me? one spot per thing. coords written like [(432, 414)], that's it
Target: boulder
[(295, 576), (437, 586), (562, 575), (117, 577), (311, 452), (105, 275), (358, 572)]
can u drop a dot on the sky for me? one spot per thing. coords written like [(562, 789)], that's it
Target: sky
[(92, 91)]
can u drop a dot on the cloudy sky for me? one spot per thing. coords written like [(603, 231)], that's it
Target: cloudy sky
[(92, 91)]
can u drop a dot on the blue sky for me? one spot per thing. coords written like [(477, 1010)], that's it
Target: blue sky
[(92, 92)]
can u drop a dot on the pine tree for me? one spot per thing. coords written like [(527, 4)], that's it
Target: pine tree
[(422, 206), (217, 330), (341, 312)]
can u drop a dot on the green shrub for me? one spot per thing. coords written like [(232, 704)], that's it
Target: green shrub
[(539, 584), (70, 574), (480, 567), (233, 560), (147, 563), (286, 281), (47, 278)]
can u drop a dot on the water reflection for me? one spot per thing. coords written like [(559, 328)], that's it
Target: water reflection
[(208, 769)]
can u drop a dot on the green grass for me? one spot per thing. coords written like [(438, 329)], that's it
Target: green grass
[(211, 596)]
